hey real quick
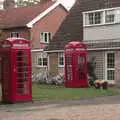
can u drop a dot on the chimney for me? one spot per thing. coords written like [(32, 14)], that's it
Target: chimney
[(8, 4)]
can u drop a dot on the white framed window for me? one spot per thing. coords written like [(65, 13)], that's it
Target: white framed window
[(101, 17), (110, 16), (95, 18), (110, 67), (61, 59), (42, 60), (45, 37), (14, 34)]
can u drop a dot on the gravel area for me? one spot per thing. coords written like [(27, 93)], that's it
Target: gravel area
[(102, 108), (89, 112)]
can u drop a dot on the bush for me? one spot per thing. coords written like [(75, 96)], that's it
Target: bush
[(47, 79), (91, 72)]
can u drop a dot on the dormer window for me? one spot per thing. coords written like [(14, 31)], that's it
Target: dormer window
[(14, 34), (101, 17)]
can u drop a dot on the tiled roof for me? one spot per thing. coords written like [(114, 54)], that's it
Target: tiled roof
[(72, 27), (19, 17), (103, 44)]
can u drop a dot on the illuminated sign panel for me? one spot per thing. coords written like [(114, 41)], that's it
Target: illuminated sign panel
[(20, 45)]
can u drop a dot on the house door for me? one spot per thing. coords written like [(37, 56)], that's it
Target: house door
[(110, 67)]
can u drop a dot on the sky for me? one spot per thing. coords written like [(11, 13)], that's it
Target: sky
[(67, 3)]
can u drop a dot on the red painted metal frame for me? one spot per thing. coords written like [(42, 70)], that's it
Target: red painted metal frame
[(9, 75), (78, 78)]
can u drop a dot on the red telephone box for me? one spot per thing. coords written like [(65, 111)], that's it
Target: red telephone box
[(15, 58), (75, 65)]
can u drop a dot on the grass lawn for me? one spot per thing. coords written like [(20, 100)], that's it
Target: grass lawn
[(51, 92)]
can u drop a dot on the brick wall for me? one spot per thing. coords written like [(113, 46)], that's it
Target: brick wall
[(49, 23), (24, 33)]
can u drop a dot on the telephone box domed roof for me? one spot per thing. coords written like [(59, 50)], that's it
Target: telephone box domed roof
[(76, 44)]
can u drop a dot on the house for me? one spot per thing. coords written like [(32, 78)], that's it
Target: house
[(37, 23), (96, 23)]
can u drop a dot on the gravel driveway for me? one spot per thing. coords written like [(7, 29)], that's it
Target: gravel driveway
[(101, 108)]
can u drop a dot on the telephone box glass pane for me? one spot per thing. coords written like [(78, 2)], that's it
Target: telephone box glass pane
[(23, 72), (81, 67), (5, 76), (69, 67)]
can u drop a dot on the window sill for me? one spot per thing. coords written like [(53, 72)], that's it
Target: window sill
[(102, 24), (38, 66), (44, 42), (61, 66)]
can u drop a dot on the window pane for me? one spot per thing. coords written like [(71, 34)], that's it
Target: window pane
[(80, 67), (69, 67), (40, 61), (97, 18), (91, 18), (45, 63), (46, 37), (14, 34), (117, 15), (49, 36), (61, 59), (17, 35), (110, 75), (110, 16), (41, 37), (110, 60)]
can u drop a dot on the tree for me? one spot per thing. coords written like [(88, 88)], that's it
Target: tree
[(91, 71), (28, 2)]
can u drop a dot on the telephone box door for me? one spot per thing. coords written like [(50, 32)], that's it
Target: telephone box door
[(81, 68), (22, 74), (5, 75), (68, 68)]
